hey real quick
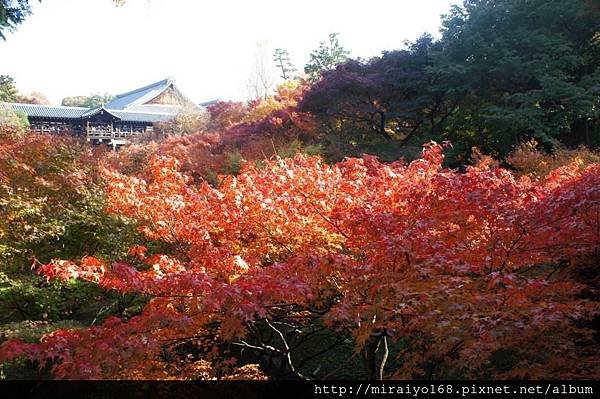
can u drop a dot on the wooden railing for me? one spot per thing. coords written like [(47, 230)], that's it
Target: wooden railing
[(110, 134)]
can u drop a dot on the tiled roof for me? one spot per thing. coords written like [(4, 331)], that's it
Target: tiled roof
[(131, 116), (128, 116), (46, 111), (209, 103), (139, 96), (129, 107), (156, 109), (91, 111)]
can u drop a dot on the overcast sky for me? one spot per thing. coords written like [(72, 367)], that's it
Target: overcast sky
[(77, 47)]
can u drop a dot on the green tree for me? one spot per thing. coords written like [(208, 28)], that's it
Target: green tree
[(12, 13), (326, 57), (385, 105), (504, 71), (8, 89), (282, 60), (13, 124), (91, 101), (74, 101), (521, 69)]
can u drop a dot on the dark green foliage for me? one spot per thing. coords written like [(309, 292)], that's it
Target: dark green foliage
[(521, 69), (12, 13), (503, 71), (31, 306), (52, 206), (55, 208), (391, 96), (24, 296)]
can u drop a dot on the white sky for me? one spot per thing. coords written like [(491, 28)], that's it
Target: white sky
[(77, 47)]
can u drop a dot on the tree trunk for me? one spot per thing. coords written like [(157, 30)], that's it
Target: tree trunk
[(588, 139), (379, 126), (371, 359), (373, 368)]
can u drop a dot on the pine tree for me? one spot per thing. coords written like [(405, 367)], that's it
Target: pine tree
[(326, 57)]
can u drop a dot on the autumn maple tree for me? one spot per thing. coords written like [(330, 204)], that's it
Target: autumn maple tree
[(441, 271), (255, 131)]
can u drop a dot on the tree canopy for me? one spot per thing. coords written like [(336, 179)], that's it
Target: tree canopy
[(452, 265), (8, 89), (329, 54), (503, 71), (12, 13), (282, 60), (261, 239), (91, 101)]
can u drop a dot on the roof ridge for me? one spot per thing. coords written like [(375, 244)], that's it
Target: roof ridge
[(161, 82), (95, 110)]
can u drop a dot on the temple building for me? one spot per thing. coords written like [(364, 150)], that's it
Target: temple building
[(126, 115)]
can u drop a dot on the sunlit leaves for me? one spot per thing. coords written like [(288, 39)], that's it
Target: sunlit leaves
[(459, 266)]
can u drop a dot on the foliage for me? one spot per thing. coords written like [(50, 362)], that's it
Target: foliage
[(282, 60), (528, 159), (35, 97), (533, 74), (269, 129), (29, 298), (222, 252), (388, 95), (503, 72), (9, 93), (51, 202), (286, 96), (224, 114), (326, 57), (13, 124), (457, 266), (236, 132), (8, 89), (91, 101), (12, 13), (188, 121), (52, 205)]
